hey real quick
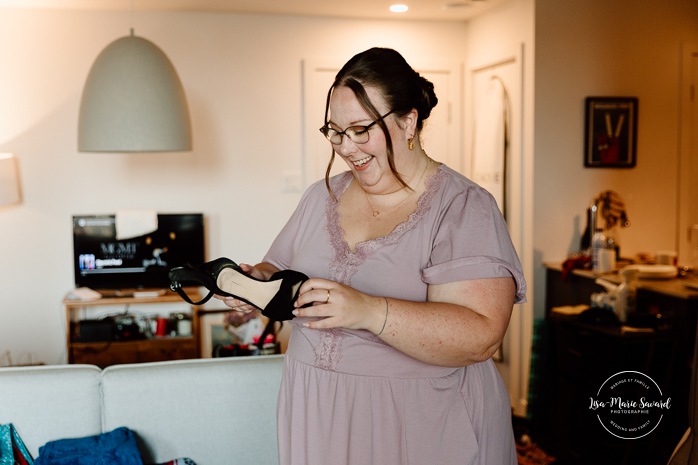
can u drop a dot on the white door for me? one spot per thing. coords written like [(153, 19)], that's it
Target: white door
[(496, 101), (492, 88)]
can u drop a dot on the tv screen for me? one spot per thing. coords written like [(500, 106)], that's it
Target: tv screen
[(104, 260)]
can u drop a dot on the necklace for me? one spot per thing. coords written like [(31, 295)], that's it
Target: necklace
[(376, 212)]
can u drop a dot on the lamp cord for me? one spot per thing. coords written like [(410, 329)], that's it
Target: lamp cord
[(132, 16)]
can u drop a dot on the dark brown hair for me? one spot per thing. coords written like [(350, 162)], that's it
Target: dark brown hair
[(401, 86)]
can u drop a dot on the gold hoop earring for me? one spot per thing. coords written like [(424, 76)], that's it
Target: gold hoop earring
[(410, 143)]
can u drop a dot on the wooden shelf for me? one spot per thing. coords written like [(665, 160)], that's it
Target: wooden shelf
[(105, 353), (167, 297), (108, 353)]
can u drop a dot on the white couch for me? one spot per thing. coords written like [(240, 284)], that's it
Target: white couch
[(214, 411)]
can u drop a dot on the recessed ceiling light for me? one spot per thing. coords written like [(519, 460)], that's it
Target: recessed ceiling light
[(398, 8)]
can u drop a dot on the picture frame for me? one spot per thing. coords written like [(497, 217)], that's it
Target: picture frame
[(213, 332), (610, 132)]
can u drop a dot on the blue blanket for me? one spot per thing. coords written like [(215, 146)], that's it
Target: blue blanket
[(117, 447)]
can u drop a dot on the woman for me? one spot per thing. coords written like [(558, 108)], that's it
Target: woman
[(413, 281)]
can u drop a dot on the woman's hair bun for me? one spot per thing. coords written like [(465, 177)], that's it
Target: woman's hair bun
[(401, 86), (428, 99)]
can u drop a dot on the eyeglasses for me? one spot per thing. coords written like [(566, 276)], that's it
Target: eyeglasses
[(357, 134)]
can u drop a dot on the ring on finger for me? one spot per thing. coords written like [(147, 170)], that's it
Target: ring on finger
[(327, 300)]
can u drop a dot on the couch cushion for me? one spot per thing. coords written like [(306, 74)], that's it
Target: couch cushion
[(212, 410), (46, 403)]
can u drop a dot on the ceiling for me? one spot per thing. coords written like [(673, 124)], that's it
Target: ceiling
[(441, 10)]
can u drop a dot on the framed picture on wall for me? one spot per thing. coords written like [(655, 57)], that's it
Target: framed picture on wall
[(610, 132)]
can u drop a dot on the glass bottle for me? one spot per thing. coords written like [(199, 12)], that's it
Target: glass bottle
[(598, 242)]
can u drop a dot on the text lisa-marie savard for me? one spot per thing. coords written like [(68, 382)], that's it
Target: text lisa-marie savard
[(632, 406)]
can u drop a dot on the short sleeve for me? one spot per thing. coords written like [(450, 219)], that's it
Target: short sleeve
[(280, 253), (306, 216), (472, 242)]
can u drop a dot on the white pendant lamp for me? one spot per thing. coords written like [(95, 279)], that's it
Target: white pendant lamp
[(133, 101)]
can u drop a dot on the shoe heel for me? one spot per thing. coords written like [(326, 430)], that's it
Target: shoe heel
[(255, 292)]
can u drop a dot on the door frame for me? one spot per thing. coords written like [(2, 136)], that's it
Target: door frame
[(687, 142)]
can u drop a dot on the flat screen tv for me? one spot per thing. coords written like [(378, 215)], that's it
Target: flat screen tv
[(101, 261)]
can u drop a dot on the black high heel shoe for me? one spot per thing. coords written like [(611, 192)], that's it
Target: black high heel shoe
[(224, 277)]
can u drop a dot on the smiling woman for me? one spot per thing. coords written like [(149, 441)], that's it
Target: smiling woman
[(412, 281)]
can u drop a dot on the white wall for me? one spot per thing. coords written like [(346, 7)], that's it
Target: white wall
[(242, 77), (606, 48)]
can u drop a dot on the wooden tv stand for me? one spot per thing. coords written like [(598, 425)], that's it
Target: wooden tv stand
[(113, 352)]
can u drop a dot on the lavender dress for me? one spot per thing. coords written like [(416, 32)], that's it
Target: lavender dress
[(348, 398)]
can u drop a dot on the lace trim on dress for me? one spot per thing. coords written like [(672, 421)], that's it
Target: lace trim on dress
[(340, 271), (328, 349), (345, 263)]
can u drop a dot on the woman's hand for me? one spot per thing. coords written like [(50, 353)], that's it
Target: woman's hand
[(260, 271), (338, 306)]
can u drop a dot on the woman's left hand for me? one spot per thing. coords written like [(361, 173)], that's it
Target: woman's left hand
[(339, 306)]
